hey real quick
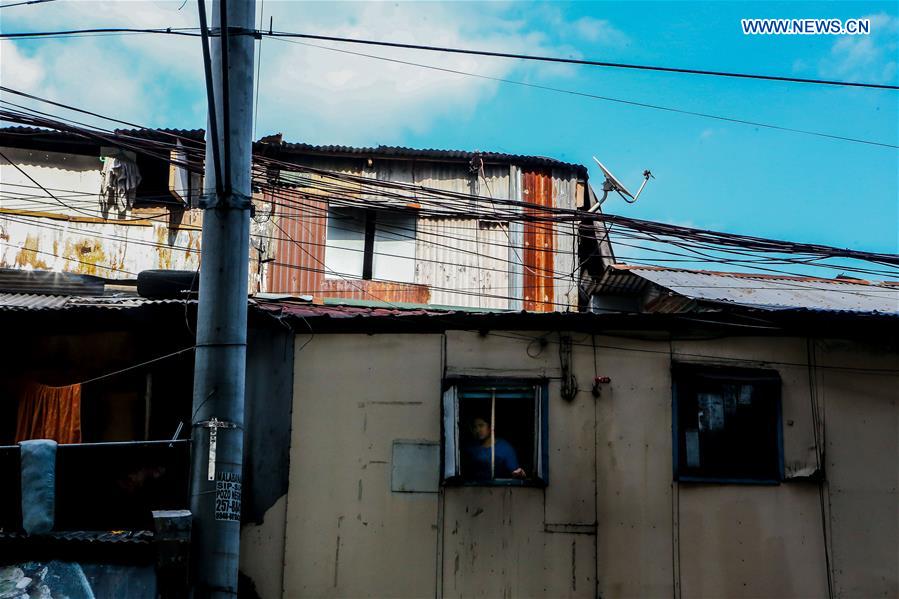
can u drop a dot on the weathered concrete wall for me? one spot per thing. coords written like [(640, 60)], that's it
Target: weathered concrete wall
[(611, 522), (347, 534), (262, 551), (269, 394), (861, 414)]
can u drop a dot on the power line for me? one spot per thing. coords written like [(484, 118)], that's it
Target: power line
[(11, 4), (84, 262), (351, 185), (258, 71), (139, 365), (603, 98), (184, 31), (368, 288), (448, 241), (469, 51), (576, 61)]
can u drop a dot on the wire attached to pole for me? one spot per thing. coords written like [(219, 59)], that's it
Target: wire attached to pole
[(210, 98)]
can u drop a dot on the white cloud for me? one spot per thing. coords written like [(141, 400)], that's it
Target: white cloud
[(310, 94), (599, 30), (26, 72), (350, 98), (870, 58), (130, 77)]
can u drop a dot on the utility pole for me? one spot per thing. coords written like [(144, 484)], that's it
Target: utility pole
[(221, 344)]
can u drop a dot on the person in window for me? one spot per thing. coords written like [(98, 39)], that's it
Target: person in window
[(487, 456)]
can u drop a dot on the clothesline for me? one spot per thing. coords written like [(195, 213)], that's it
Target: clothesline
[(126, 369)]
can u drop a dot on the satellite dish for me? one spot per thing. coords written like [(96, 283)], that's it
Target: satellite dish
[(612, 183)]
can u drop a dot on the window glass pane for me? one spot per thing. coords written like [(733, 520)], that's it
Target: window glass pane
[(394, 258), (345, 243)]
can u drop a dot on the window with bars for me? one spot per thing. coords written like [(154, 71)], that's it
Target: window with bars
[(727, 424), (495, 432)]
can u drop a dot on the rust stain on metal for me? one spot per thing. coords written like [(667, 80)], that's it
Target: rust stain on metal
[(83, 256), (162, 249), (29, 256), (538, 244), (385, 291)]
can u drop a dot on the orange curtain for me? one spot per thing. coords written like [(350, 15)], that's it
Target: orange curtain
[(50, 413)]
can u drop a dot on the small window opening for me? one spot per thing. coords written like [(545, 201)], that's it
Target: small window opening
[(495, 432), (727, 424), (370, 244)]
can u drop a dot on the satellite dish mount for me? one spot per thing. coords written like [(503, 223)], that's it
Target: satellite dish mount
[(612, 183)]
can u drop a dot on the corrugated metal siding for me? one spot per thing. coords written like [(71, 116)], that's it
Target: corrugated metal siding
[(538, 244), (385, 291), (516, 242), (463, 262), (42, 282), (458, 261), (39, 233), (109, 249), (298, 244), (413, 154), (565, 243), (767, 291), (30, 301), (299, 258)]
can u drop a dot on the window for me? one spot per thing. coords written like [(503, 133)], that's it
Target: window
[(495, 432), (727, 425), (369, 244)]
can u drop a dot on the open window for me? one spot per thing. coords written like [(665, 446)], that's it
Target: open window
[(727, 425), (370, 244), (495, 432)]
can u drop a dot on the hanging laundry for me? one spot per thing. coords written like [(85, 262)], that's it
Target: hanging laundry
[(49, 413), (120, 180)]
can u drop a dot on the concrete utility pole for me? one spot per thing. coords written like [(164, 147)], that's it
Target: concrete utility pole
[(220, 367)]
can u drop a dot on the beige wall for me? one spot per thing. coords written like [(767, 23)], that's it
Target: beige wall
[(611, 520)]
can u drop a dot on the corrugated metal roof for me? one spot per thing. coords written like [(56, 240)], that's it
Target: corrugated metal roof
[(303, 310), (164, 134), (329, 150), (27, 302), (33, 131), (84, 536), (154, 134), (775, 292), (17, 280), (428, 153)]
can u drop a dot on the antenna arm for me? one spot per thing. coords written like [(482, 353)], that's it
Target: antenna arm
[(646, 176), (595, 207)]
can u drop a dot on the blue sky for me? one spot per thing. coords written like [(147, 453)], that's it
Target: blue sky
[(709, 173)]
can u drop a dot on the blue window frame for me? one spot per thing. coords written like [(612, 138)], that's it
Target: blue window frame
[(510, 415), (727, 425)]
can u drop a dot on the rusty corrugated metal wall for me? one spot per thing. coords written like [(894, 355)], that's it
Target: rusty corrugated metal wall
[(465, 262), (298, 235), (298, 243), (539, 244)]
